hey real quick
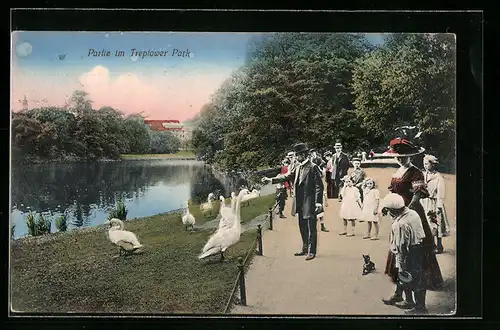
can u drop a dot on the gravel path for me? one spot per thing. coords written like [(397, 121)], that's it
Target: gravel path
[(280, 283)]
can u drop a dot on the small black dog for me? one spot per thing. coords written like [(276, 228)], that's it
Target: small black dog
[(369, 266)]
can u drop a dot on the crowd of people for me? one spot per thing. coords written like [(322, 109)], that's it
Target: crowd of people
[(415, 204)]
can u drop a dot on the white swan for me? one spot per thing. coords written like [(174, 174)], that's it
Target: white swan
[(227, 213), (233, 200), (126, 240), (208, 205), (225, 237), (254, 194), (188, 219)]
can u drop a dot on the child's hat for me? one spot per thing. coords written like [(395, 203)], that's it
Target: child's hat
[(393, 201)]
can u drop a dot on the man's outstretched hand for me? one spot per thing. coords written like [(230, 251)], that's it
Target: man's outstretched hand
[(266, 180)]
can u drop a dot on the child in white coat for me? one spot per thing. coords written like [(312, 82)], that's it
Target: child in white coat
[(369, 212), (350, 210)]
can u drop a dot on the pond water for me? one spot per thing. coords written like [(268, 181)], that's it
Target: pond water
[(86, 193)]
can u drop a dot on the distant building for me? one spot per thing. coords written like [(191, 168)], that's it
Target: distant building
[(176, 127), (25, 103)]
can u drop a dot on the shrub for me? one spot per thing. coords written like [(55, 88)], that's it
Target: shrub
[(61, 223)]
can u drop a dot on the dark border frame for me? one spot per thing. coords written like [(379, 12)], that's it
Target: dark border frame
[(468, 26)]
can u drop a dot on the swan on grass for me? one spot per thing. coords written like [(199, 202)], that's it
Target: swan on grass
[(188, 219), (207, 207), (254, 194), (227, 213), (225, 237), (126, 240)]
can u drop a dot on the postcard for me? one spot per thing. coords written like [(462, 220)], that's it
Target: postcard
[(175, 173)]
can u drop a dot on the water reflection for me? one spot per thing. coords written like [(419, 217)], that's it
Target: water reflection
[(86, 192)]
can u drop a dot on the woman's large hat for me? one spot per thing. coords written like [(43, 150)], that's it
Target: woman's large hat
[(327, 153), (300, 148), (401, 147)]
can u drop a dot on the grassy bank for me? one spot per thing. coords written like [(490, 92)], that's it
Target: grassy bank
[(184, 154), (77, 272)]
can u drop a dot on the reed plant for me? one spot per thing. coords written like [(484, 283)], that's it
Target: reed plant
[(62, 223), (43, 225), (38, 227), (119, 212), (31, 223)]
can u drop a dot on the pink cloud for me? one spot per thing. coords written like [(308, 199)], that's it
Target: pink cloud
[(170, 94)]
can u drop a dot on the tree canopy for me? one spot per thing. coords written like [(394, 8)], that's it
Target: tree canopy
[(318, 87), (80, 132)]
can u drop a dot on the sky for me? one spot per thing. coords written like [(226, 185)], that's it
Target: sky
[(47, 66)]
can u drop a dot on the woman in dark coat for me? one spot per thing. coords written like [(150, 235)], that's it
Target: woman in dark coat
[(330, 185), (408, 182)]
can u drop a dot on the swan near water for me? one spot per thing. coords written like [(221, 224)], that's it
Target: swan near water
[(188, 219), (225, 236), (126, 240), (254, 194), (207, 206)]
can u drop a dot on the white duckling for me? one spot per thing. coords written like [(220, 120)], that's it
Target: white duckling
[(225, 237), (207, 207), (188, 219), (126, 240)]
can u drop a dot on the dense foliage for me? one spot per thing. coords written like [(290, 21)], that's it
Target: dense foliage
[(80, 132), (318, 88)]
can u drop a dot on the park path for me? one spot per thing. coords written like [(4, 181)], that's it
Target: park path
[(280, 283)]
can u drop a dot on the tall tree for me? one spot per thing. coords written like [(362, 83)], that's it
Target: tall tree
[(410, 80)]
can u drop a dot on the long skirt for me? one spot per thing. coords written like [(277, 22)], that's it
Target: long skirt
[(442, 227), (431, 277), (337, 188), (330, 185)]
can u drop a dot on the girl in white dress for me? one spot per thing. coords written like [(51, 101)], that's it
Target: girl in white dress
[(350, 210), (369, 212)]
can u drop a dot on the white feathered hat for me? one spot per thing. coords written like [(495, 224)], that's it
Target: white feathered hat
[(393, 201)]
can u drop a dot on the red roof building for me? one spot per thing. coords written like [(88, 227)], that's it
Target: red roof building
[(164, 125)]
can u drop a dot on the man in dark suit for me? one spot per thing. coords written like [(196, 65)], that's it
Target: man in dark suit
[(307, 198), (340, 165)]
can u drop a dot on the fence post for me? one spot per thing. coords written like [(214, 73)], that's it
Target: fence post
[(259, 239), (270, 219), (243, 293)]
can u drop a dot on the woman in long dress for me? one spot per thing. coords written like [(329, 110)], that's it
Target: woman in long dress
[(434, 203), (330, 185), (408, 182)]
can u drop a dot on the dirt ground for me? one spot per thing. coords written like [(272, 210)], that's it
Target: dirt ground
[(332, 284)]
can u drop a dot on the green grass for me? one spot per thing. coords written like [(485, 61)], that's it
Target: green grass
[(76, 271), (179, 154)]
